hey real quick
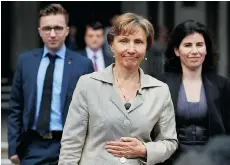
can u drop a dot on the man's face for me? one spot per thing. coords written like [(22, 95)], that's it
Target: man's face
[(94, 39), (53, 31)]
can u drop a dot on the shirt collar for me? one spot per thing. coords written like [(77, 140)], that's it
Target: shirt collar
[(90, 52), (106, 75), (60, 53)]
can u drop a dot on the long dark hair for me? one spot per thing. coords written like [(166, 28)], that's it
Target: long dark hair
[(182, 30)]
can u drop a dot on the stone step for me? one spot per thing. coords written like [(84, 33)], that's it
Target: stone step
[(4, 150), (6, 88), (6, 162), (4, 80), (4, 154), (5, 105), (5, 96)]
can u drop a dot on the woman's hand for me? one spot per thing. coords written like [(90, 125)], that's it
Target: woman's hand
[(128, 147)]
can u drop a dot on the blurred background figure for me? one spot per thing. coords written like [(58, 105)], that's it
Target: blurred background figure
[(162, 38), (218, 149), (155, 56), (71, 41), (194, 158), (94, 40), (216, 152), (106, 45)]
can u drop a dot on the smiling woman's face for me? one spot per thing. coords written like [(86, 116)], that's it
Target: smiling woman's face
[(130, 49), (192, 51)]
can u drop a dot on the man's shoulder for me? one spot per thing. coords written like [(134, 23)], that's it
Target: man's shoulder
[(28, 53), (77, 55), (36, 50), (82, 52)]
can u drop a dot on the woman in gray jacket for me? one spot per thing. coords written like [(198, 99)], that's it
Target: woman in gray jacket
[(121, 115)]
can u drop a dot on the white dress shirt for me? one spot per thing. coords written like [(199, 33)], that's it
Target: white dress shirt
[(100, 57)]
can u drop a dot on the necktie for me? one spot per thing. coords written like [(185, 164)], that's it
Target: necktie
[(45, 107), (95, 62)]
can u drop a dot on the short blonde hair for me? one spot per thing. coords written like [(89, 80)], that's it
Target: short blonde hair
[(127, 23)]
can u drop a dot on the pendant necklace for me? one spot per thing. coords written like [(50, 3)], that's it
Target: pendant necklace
[(127, 104)]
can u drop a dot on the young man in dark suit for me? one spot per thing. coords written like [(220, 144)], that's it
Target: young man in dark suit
[(42, 90), (94, 40)]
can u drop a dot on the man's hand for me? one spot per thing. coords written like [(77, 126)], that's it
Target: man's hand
[(15, 159), (128, 147)]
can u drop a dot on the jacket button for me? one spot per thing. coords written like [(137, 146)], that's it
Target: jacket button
[(122, 160), (126, 123)]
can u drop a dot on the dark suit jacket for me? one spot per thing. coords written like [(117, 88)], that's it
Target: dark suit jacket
[(217, 90), (108, 60), (23, 94)]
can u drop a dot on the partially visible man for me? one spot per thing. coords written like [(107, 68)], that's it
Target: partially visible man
[(94, 40), (42, 90), (155, 57), (71, 41)]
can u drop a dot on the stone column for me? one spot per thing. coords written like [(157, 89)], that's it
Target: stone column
[(222, 39), (24, 34), (161, 12), (140, 8), (196, 12)]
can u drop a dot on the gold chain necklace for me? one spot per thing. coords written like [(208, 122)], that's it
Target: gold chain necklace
[(127, 104)]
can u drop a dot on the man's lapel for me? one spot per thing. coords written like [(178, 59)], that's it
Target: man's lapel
[(33, 69), (68, 63), (36, 62), (34, 66)]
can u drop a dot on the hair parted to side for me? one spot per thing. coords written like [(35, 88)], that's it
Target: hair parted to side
[(127, 24), (182, 30), (54, 9)]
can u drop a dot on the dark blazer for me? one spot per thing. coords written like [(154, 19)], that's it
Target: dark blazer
[(217, 90), (108, 60), (23, 94)]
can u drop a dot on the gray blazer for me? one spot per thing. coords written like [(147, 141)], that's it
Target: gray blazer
[(97, 115)]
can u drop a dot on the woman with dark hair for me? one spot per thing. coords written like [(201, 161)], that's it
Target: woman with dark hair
[(184, 29), (201, 98)]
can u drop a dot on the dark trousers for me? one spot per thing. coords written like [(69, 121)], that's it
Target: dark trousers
[(35, 150)]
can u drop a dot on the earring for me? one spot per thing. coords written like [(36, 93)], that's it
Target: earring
[(146, 58)]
